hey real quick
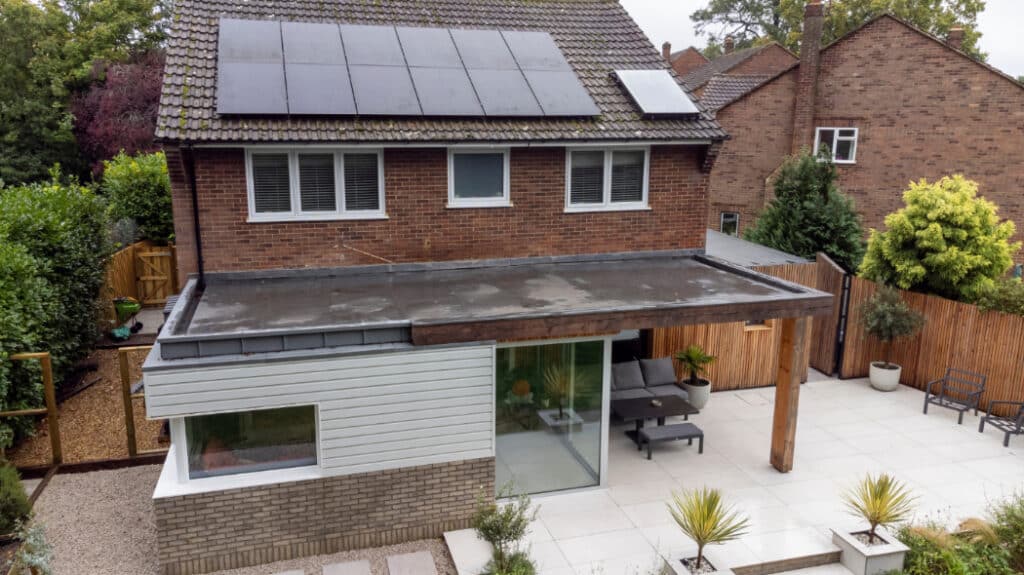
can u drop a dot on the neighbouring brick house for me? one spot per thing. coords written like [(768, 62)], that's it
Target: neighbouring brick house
[(683, 61), (400, 222), (895, 103)]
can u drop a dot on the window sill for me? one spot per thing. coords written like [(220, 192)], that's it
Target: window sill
[(503, 204), (584, 210), (315, 218), (169, 486)]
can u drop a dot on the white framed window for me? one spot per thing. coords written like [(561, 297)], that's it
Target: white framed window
[(478, 178), (606, 179), (839, 143), (314, 184), (729, 223)]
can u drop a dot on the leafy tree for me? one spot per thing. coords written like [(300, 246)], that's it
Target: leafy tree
[(118, 111), (748, 21), (809, 214), (1005, 295), (888, 318), (139, 189), (945, 240)]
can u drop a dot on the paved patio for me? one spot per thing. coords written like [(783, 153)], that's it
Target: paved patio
[(846, 429)]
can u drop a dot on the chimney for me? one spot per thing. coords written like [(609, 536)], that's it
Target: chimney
[(666, 51), (729, 44), (955, 38), (807, 76)]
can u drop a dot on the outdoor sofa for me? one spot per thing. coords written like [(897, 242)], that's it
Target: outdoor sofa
[(1011, 424), (645, 378)]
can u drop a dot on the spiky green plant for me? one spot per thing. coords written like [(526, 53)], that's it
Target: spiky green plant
[(559, 384), (695, 361), (881, 500), (702, 515)]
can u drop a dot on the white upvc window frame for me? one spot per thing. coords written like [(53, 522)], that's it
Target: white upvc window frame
[(721, 222), (832, 145), (296, 214), (606, 187), (505, 201)]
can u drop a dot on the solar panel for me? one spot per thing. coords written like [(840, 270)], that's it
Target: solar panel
[(445, 92), (656, 93), (249, 41), (384, 91), (307, 43), (372, 45), (536, 51), (251, 88), (429, 47), (561, 93), (319, 90), (504, 93), (483, 50)]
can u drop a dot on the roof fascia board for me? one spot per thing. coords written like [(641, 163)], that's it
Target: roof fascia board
[(463, 144)]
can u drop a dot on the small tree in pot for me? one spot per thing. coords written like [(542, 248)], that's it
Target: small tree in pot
[(887, 318), (695, 361), (706, 519)]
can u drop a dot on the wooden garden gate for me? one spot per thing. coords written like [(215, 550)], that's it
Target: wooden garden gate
[(155, 273)]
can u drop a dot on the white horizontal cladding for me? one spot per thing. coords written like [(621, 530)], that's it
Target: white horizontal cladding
[(376, 411)]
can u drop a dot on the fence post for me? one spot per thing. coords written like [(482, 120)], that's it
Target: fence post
[(126, 396), (52, 416)]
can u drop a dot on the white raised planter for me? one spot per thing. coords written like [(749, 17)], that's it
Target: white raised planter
[(676, 563), (699, 394), (569, 420), (864, 559), (884, 379)]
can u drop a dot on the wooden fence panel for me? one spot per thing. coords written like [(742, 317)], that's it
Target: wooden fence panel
[(823, 331)]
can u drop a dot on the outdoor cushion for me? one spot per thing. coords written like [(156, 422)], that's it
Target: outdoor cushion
[(658, 371), (631, 394), (627, 375), (662, 390)]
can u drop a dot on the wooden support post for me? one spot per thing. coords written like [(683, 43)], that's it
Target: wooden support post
[(792, 354), (52, 415), (126, 396)]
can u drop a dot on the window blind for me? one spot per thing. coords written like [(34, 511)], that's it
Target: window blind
[(628, 176), (587, 178), (316, 182), (271, 190), (362, 182)]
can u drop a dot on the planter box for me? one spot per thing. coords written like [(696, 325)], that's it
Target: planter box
[(863, 559), (676, 565), (569, 421)]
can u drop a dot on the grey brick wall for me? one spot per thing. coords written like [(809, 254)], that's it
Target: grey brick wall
[(242, 527)]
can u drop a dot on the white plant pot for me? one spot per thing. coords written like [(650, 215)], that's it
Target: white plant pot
[(677, 568), (862, 559), (699, 394), (884, 379)]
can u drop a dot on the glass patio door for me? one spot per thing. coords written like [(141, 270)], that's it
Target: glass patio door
[(549, 416)]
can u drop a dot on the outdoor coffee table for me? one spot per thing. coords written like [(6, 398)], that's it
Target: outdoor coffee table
[(641, 409)]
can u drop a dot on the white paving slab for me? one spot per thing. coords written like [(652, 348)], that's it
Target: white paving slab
[(348, 568), (419, 563)]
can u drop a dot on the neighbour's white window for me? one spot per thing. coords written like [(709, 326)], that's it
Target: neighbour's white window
[(613, 179), (286, 185), (729, 223), (478, 178), (838, 143), (250, 441)]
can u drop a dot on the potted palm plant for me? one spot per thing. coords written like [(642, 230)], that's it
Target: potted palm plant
[(881, 501), (887, 318), (695, 362), (705, 518)]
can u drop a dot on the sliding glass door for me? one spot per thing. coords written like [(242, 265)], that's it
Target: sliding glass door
[(549, 416)]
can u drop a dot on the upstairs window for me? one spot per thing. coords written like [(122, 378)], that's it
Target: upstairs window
[(606, 179), (840, 144), (729, 223), (478, 178), (295, 185)]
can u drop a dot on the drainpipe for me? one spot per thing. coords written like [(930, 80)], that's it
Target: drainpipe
[(190, 166)]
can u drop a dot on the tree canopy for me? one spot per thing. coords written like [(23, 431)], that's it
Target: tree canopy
[(809, 214), (945, 241), (752, 22)]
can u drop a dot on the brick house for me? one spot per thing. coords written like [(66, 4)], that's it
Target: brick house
[(895, 103), (403, 224), (683, 61)]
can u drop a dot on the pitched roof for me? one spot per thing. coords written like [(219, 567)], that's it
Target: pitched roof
[(679, 53), (719, 65), (596, 37), (724, 89)]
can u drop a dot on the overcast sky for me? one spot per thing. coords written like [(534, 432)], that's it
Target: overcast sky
[(1001, 23)]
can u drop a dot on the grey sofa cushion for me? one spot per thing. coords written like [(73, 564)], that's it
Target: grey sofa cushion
[(663, 390), (632, 394), (658, 371), (627, 375)]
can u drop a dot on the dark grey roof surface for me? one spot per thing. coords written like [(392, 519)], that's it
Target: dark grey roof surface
[(697, 78), (724, 89), (740, 252), (596, 36)]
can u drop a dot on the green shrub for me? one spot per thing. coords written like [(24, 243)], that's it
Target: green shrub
[(503, 525), (35, 553), (1005, 295), (887, 318), (945, 241), (139, 189), (1008, 518), (14, 507), (934, 551)]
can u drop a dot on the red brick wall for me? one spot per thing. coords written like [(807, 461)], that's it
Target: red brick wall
[(421, 228), (770, 61), (688, 61), (738, 179)]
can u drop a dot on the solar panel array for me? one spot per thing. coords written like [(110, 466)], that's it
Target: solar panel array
[(279, 68), (656, 93)]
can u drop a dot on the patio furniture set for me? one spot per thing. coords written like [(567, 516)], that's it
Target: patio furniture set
[(647, 389), (961, 390)]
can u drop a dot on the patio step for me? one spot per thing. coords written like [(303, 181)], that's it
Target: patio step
[(791, 564)]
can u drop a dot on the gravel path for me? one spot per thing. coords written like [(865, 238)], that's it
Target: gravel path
[(102, 523)]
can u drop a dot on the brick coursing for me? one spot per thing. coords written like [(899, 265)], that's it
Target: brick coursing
[(772, 60), (252, 526), (421, 228), (688, 60)]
